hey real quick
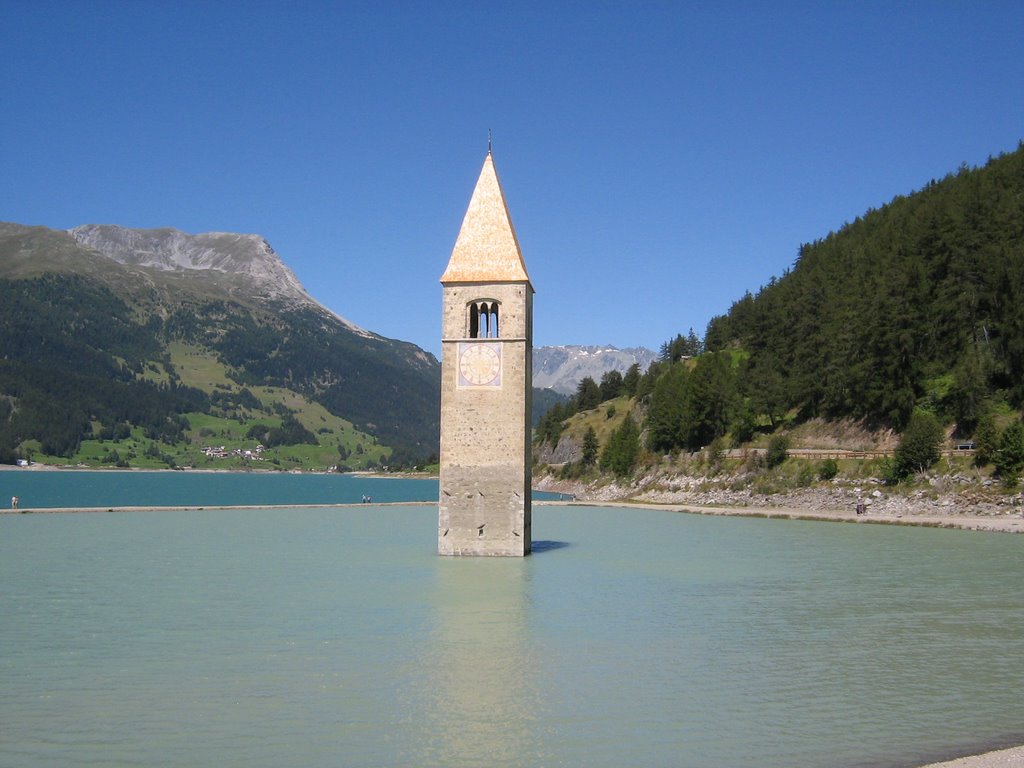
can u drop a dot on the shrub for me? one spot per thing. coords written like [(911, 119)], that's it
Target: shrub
[(986, 439), (887, 469), (743, 428), (1009, 459), (805, 477), (778, 450), (918, 449), (621, 453), (754, 461), (828, 469), (715, 453)]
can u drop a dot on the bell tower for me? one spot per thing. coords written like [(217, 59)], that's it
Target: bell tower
[(486, 384)]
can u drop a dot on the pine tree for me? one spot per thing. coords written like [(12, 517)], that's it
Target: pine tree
[(665, 411), (986, 439), (631, 380), (778, 450), (590, 448), (623, 449), (646, 384), (588, 394), (1009, 459), (710, 401), (694, 346), (611, 385), (918, 448)]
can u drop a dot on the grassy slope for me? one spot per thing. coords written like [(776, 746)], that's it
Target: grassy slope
[(599, 419), (199, 368), (741, 470), (27, 252)]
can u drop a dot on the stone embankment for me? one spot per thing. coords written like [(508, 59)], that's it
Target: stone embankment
[(953, 501)]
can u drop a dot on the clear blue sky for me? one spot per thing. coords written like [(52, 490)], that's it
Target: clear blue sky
[(659, 159)]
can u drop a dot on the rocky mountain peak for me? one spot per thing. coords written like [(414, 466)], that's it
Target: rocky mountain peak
[(248, 262), (562, 368)]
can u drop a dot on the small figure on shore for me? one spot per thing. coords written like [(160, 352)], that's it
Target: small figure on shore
[(861, 507), (14, 502)]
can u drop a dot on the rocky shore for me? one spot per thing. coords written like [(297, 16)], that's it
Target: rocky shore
[(946, 502)]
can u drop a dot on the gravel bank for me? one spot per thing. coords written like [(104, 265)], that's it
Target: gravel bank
[(1004, 758), (948, 504)]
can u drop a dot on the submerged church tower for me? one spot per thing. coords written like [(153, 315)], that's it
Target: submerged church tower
[(486, 384)]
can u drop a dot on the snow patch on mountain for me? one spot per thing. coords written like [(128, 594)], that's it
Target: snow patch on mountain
[(563, 368)]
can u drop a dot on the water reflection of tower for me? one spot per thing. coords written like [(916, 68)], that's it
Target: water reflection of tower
[(486, 706)]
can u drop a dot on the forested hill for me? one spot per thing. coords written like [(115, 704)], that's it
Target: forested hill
[(176, 342), (918, 303)]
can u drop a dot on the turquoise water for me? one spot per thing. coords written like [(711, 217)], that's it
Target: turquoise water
[(42, 489), (111, 488), (336, 637)]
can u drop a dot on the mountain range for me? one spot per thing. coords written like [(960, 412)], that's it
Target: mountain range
[(562, 368), (219, 338), (247, 265)]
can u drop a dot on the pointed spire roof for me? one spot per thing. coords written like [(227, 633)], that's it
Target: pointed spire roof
[(486, 250)]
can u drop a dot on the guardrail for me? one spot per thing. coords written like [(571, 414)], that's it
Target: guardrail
[(826, 453)]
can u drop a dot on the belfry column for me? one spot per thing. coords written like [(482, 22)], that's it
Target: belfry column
[(486, 384)]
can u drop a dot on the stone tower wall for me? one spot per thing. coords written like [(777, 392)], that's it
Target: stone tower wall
[(485, 436)]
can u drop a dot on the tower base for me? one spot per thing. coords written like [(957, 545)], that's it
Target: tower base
[(479, 516)]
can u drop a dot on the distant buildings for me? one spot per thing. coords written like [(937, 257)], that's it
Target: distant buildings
[(221, 452)]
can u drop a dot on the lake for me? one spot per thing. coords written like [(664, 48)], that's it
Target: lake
[(336, 637), (116, 488), (83, 488)]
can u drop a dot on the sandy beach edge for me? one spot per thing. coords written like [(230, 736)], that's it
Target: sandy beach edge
[(992, 523), (1003, 758)]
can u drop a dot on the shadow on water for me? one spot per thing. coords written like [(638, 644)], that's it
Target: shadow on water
[(547, 546)]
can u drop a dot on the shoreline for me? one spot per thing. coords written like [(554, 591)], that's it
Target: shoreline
[(1001, 758), (217, 471), (207, 507), (1013, 523), (952, 512), (946, 502)]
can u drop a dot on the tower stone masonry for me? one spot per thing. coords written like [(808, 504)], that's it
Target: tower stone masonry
[(486, 384)]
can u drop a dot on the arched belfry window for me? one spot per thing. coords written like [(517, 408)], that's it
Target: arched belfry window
[(483, 320)]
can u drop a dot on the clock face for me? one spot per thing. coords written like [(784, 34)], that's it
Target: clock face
[(479, 365)]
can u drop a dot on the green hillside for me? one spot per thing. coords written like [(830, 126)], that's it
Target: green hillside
[(102, 363), (917, 304), (886, 337)]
